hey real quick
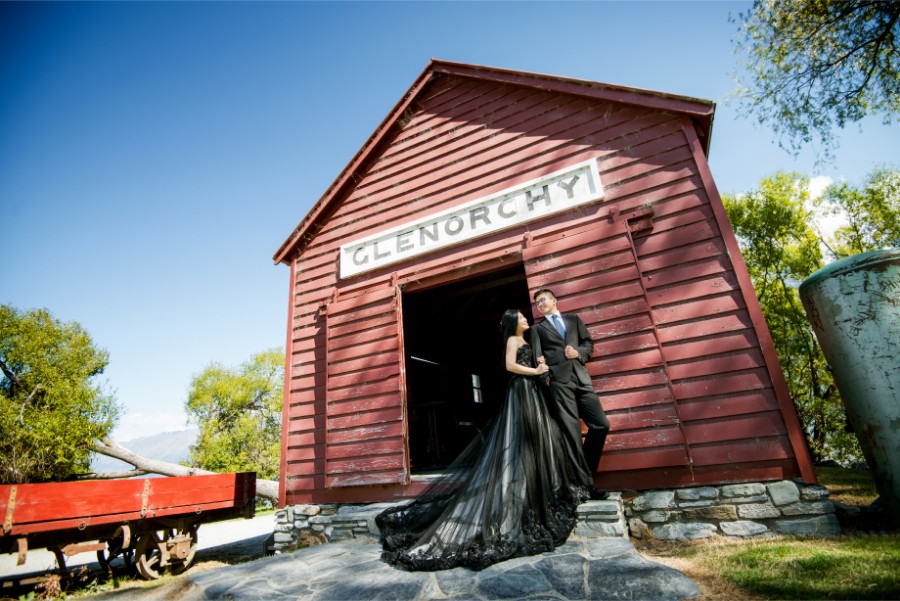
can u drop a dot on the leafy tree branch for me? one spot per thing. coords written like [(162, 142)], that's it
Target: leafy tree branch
[(51, 407), (813, 65), (238, 411)]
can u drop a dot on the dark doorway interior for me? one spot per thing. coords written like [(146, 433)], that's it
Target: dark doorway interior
[(454, 352)]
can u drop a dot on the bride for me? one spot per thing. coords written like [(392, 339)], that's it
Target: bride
[(512, 493)]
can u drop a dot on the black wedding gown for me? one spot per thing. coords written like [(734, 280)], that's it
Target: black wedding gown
[(513, 492)]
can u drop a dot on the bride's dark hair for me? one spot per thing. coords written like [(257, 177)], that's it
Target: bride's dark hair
[(508, 324)]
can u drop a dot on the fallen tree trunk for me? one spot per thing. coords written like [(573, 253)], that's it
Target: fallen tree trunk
[(267, 489), (111, 475)]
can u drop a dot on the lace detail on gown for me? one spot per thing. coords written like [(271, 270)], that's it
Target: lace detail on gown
[(512, 493)]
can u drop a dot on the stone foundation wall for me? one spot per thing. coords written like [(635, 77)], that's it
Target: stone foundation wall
[(298, 526), (740, 510)]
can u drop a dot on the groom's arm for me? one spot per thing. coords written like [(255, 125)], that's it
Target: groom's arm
[(538, 352), (535, 340), (585, 342)]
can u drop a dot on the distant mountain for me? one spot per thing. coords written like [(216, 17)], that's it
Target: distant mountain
[(173, 447)]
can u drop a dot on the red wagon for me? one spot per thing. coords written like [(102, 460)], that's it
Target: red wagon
[(151, 521)]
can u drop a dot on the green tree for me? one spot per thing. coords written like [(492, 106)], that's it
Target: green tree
[(816, 64), (51, 408), (780, 250), (238, 412), (872, 213)]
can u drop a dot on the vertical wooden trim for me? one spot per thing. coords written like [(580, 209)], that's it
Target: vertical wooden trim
[(404, 397), (659, 345), (286, 393), (10, 510), (767, 346)]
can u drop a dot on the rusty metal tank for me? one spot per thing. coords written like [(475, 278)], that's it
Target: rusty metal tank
[(854, 307)]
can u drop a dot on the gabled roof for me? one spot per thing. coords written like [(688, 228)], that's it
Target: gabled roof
[(700, 112)]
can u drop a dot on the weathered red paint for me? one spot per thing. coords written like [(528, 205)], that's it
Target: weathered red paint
[(683, 360), (59, 513)]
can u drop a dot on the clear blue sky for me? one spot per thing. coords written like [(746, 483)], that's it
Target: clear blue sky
[(153, 156)]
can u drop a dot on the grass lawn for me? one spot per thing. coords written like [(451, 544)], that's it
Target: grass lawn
[(858, 565)]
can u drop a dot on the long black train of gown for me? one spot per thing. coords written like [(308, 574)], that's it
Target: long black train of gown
[(513, 492)]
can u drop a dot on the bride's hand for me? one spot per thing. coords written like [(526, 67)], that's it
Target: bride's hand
[(542, 368)]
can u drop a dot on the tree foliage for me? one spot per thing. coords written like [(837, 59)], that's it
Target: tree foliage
[(780, 248), (51, 408), (871, 211), (816, 64), (238, 412)]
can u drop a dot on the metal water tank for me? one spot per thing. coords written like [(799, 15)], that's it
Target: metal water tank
[(854, 307)]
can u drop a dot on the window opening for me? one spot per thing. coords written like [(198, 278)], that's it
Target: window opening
[(476, 389)]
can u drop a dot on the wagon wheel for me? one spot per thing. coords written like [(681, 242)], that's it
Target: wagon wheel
[(118, 545), (152, 545), (147, 555)]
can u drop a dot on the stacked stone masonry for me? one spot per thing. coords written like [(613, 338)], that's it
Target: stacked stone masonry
[(738, 510)]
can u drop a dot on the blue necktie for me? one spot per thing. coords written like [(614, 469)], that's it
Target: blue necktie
[(559, 325)]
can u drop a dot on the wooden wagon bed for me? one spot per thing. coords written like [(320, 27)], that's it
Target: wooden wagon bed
[(155, 520)]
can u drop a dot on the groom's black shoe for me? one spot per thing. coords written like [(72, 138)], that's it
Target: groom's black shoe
[(599, 495)]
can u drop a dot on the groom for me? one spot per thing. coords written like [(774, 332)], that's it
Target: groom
[(565, 344)]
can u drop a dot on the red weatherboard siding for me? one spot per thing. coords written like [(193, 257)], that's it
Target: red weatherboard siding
[(678, 362)]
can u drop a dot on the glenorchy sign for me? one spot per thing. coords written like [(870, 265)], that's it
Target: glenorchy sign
[(562, 190)]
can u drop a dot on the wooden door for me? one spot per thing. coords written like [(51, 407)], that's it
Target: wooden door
[(366, 426)]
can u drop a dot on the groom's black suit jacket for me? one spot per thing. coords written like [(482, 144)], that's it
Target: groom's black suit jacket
[(546, 341)]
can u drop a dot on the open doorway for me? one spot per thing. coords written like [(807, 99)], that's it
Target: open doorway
[(454, 361)]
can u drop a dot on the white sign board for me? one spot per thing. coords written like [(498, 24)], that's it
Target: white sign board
[(554, 193)]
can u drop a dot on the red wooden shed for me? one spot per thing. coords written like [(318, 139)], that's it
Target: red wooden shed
[(481, 186)]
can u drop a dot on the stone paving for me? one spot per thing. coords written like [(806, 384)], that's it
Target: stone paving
[(583, 568)]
